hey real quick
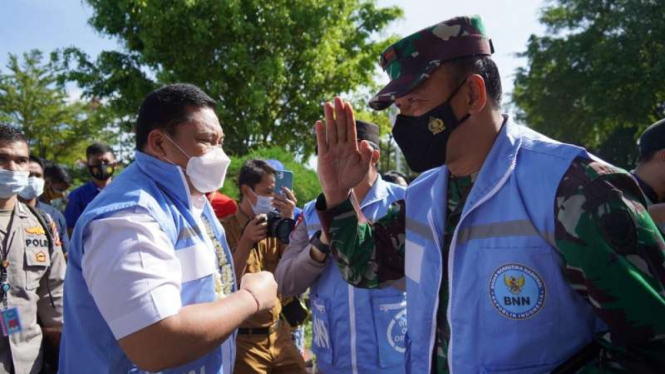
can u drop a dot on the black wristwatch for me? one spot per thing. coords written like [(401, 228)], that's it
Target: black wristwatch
[(316, 242)]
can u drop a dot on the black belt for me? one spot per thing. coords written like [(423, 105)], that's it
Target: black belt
[(259, 330)]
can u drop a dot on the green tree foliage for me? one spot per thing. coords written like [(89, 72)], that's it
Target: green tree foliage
[(598, 70), (269, 64), (305, 181), (33, 99)]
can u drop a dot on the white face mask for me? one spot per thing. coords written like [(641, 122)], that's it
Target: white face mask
[(206, 172), (34, 189), (263, 204), (12, 182)]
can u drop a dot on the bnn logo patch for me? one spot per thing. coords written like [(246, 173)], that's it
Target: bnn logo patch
[(517, 292)]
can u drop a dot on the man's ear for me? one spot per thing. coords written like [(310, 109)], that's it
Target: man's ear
[(477, 94), (245, 191), (376, 155), (155, 143)]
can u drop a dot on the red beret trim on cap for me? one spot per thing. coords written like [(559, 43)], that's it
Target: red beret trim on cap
[(388, 56)]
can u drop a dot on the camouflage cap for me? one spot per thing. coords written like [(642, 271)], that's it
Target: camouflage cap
[(410, 61)]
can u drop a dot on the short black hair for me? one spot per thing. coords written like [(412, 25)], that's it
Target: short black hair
[(11, 134), (167, 107), (95, 149), (38, 161), (392, 175), (252, 172), (483, 66), (651, 141), (56, 173)]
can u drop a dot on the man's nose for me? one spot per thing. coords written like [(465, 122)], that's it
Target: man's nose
[(11, 165)]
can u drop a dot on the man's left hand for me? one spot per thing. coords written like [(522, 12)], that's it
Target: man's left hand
[(285, 203)]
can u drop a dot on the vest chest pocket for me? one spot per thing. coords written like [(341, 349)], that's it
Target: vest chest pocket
[(521, 309), (37, 260), (521, 283), (390, 323), (321, 339)]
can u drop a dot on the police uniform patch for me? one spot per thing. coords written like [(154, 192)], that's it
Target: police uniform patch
[(40, 257), (516, 291), (37, 230)]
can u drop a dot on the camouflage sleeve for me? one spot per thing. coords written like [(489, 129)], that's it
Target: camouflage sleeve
[(614, 258), (369, 255)]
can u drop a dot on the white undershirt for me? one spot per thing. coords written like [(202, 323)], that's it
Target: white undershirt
[(132, 270)]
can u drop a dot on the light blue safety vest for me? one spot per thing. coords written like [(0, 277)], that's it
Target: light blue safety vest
[(510, 308), (88, 346), (357, 331)]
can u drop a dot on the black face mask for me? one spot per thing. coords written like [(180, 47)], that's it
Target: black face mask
[(423, 139), (101, 171)]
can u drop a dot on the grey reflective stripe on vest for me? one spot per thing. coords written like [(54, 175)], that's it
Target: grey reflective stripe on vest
[(501, 229), (420, 229), (188, 232)]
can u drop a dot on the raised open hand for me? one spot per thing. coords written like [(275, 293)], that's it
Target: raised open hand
[(342, 164)]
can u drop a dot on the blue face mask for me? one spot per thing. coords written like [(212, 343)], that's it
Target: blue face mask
[(12, 182)]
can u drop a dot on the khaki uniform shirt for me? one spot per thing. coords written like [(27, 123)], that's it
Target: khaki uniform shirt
[(27, 249), (264, 256)]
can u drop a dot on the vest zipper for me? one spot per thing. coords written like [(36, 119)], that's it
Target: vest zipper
[(451, 257), (437, 301), (352, 322)]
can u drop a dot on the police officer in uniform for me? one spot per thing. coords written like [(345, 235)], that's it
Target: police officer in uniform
[(32, 266)]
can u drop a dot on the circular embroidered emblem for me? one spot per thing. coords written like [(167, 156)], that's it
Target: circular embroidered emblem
[(517, 292), (435, 125), (397, 331)]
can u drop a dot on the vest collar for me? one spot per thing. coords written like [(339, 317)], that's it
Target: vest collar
[(379, 191), (499, 162), (169, 177)]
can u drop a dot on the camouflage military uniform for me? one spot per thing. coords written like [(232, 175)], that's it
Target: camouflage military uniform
[(613, 256)]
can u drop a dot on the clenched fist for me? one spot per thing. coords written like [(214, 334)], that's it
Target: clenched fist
[(263, 286)]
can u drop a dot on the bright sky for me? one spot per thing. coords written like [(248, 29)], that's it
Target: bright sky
[(48, 24)]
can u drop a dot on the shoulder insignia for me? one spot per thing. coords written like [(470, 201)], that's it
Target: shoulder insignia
[(37, 230)]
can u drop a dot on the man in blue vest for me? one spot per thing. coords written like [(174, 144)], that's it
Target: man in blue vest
[(521, 254), (354, 331), (151, 285)]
